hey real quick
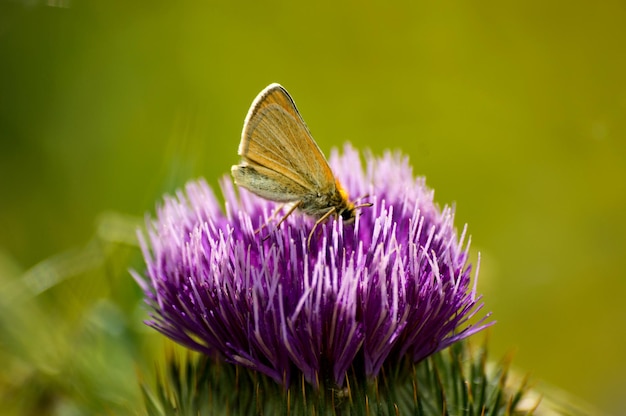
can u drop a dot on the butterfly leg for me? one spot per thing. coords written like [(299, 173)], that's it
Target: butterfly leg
[(324, 217), (271, 217), (291, 210)]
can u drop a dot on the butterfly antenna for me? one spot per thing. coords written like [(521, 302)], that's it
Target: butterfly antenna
[(364, 204), (362, 197)]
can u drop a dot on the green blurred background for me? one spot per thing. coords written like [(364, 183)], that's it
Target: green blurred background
[(514, 112)]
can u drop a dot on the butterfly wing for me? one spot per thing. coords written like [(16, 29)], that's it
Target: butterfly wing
[(267, 183), (278, 151)]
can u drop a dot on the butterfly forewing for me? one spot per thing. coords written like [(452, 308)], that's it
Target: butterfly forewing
[(276, 141)]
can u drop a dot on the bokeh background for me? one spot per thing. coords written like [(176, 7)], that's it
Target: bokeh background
[(514, 112)]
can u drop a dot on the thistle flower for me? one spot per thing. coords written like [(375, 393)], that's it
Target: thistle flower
[(394, 284)]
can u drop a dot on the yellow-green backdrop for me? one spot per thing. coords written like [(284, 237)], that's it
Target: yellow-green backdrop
[(514, 112)]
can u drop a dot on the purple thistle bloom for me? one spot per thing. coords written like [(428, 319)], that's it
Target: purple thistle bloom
[(393, 284)]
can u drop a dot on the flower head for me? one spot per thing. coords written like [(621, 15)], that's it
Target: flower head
[(393, 284)]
